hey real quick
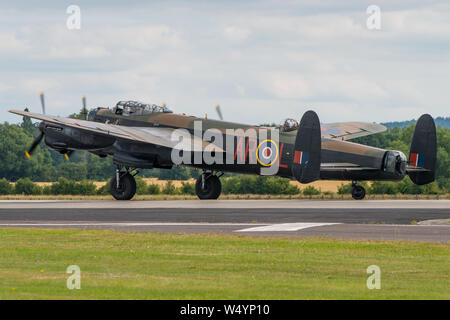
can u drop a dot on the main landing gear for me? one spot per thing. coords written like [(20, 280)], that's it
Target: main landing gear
[(208, 185), (358, 192), (123, 185)]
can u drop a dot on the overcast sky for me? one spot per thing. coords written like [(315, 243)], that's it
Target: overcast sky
[(262, 61)]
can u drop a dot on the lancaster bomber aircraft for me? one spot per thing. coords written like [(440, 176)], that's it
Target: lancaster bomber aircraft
[(141, 136)]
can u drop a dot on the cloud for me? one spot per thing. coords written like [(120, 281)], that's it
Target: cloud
[(330, 87), (235, 33), (98, 42), (424, 22), (11, 44)]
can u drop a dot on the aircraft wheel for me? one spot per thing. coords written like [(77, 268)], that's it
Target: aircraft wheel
[(126, 189), (210, 188), (358, 192)]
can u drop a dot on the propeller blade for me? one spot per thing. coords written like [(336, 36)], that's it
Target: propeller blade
[(219, 112), (34, 145), (84, 110), (42, 102)]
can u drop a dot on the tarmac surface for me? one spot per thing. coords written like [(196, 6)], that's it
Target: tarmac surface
[(368, 219)]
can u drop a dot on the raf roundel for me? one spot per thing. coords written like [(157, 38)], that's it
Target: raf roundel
[(267, 153)]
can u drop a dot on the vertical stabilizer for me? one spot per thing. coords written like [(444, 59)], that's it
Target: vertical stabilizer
[(422, 156), (307, 149)]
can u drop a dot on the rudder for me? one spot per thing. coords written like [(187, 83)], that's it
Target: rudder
[(422, 155), (307, 149)]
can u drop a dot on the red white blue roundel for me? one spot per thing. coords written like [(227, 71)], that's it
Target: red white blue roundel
[(267, 153)]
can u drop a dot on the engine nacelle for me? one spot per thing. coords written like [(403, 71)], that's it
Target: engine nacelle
[(63, 138)]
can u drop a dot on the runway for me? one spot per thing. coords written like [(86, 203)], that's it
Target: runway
[(372, 220)]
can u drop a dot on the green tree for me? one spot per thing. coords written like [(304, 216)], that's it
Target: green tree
[(27, 187), (82, 115), (6, 187), (63, 186), (103, 190), (99, 168), (13, 143), (169, 188), (383, 187), (345, 188), (72, 170), (246, 184), (141, 186), (187, 188), (28, 126), (310, 191), (153, 189)]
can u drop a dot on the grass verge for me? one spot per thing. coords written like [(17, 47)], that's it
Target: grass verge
[(129, 265)]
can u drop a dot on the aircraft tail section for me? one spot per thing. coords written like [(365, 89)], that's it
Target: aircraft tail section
[(307, 149), (422, 156)]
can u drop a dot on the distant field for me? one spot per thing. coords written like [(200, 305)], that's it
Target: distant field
[(127, 265)]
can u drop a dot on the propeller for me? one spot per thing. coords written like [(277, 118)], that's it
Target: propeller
[(36, 142), (219, 112), (84, 110), (42, 102), (38, 139)]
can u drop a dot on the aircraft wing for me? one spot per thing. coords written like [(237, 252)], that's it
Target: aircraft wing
[(151, 135), (350, 130)]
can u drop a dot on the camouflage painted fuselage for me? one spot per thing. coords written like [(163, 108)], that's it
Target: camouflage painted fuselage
[(341, 160)]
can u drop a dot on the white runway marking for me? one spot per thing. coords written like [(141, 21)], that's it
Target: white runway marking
[(285, 227), (251, 227)]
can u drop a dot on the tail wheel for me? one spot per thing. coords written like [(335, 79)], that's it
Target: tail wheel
[(358, 192), (208, 186), (125, 189)]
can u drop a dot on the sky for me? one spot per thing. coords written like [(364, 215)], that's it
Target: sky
[(262, 61)]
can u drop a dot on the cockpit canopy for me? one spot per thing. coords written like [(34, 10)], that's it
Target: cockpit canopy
[(289, 125), (137, 108)]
